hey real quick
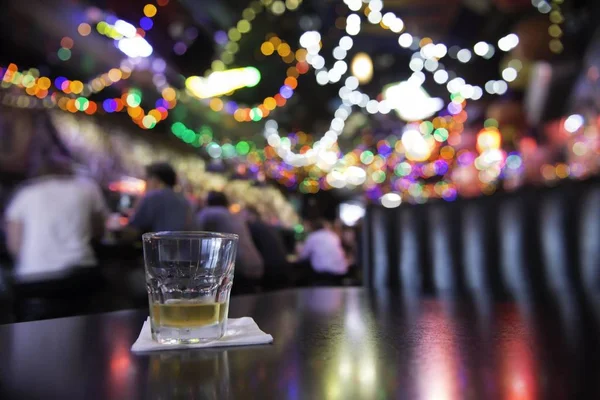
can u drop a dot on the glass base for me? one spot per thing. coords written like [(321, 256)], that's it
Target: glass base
[(204, 334)]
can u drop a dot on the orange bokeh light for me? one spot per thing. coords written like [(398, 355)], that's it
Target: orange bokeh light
[(66, 42)]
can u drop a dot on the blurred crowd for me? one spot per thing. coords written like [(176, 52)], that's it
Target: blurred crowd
[(51, 222)]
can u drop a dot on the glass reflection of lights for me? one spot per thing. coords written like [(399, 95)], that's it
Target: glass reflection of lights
[(517, 363), (345, 367), (437, 369)]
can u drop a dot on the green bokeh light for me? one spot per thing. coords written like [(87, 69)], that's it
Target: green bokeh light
[(149, 122), (378, 176), (255, 114), (178, 128), (82, 103), (242, 148), (188, 136), (134, 99), (64, 54), (228, 150), (367, 157), (440, 134), (402, 169), (490, 123), (426, 127)]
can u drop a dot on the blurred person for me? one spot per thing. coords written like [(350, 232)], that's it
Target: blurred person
[(269, 243), (216, 217), (50, 224), (323, 251), (52, 219), (161, 208)]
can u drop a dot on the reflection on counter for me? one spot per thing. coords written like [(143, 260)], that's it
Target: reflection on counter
[(189, 374)]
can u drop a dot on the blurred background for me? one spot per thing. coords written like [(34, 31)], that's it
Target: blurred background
[(398, 130)]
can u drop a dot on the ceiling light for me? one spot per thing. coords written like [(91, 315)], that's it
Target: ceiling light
[(362, 67)]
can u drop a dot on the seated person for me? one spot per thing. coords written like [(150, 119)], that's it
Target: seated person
[(323, 250), (216, 217), (269, 243), (161, 208), (49, 226)]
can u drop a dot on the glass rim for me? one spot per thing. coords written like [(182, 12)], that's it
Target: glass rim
[(189, 235)]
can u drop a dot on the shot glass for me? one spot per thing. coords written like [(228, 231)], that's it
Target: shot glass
[(189, 277)]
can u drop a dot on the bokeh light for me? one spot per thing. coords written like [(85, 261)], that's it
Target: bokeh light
[(84, 29), (150, 10)]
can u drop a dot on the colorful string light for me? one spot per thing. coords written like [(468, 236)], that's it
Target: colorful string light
[(273, 45), (397, 167)]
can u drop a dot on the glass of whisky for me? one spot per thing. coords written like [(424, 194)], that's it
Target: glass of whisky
[(189, 277)]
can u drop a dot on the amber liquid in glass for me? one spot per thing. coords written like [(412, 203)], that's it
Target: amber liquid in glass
[(188, 314)]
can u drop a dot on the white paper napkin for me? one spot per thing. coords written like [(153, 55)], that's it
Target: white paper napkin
[(240, 332)]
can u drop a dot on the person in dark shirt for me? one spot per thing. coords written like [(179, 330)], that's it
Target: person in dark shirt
[(216, 217), (249, 266), (269, 243), (161, 208)]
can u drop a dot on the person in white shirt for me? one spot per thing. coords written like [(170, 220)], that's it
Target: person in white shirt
[(323, 248), (51, 222)]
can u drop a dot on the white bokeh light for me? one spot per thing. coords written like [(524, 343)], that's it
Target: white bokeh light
[(397, 25), (405, 40), (509, 74), (351, 82), (353, 24), (416, 64), (346, 43), (464, 55), (440, 76), (500, 87), (431, 64), (374, 17), (440, 50), (508, 42), (481, 48), (322, 78), (339, 53), (573, 123), (391, 200), (354, 5), (310, 38)]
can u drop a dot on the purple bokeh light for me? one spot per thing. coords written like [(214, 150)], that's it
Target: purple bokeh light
[(286, 92), (221, 37)]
